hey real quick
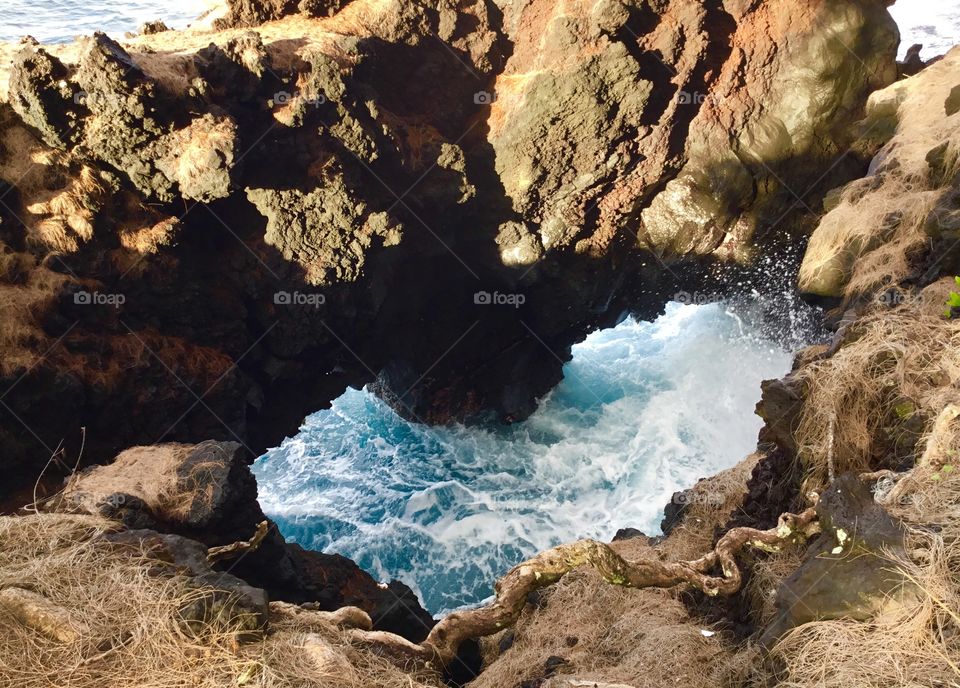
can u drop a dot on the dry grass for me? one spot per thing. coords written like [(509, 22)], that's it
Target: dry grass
[(881, 224), (900, 218), (911, 353), (889, 255), (60, 199), (894, 364), (130, 607), (22, 339), (107, 360), (616, 635), (60, 219), (711, 503), (870, 239), (148, 235), (766, 575)]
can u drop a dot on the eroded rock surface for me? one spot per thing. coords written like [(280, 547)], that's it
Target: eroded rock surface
[(846, 572), (212, 234), (180, 499), (881, 227)]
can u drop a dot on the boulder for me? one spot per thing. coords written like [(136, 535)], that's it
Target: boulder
[(225, 596), (847, 570), (878, 230), (181, 499), (780, 405), (181, 487), (912, 63)]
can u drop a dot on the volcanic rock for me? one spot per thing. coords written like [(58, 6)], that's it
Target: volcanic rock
[(185, 495), (210, 234)]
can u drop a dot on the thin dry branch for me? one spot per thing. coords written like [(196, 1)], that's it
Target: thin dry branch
[(215, 554), (548, 567)]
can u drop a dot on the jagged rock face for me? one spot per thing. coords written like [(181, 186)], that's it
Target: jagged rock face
[(766, 143), (881, 228), (171, 492), (212, 235)]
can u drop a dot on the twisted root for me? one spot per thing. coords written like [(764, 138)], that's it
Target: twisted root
[(545, 569)]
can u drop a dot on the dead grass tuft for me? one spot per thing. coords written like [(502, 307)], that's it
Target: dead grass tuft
[(870, 239), (766, 575), (889, 255), (610, 634), (129, 607), (22, 339), (895, 365), (60, 219), (711, 503)]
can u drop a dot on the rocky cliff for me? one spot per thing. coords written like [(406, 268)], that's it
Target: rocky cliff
[(127, 315), (209, 234)]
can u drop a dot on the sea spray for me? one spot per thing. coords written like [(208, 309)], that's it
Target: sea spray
[(644, 410)]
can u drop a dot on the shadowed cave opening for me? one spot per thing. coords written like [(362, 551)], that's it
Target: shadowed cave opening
[(645, 409)]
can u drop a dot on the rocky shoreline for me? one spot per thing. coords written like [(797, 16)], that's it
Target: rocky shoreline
[(208, 234), (216, 233)]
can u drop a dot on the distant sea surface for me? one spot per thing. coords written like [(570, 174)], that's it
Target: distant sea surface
[(61, 21), (934, 23)]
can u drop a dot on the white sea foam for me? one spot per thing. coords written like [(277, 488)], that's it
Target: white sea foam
[(933, 23), (60, 21), (645, 410)]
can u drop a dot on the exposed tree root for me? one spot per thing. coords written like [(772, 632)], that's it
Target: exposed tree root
[(545, 569), (345, 617)]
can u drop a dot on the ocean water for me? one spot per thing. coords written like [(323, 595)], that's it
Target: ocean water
[(60, 21), (933, 23), (645, 409)]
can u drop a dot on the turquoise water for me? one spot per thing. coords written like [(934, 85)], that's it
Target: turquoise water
[(645, 409)]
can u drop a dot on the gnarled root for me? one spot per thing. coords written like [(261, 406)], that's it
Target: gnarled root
[(345, 617), (545, 569)]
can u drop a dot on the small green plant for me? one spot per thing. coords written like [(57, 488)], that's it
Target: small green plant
[(904, 410), (953, 301), (944, 471)]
